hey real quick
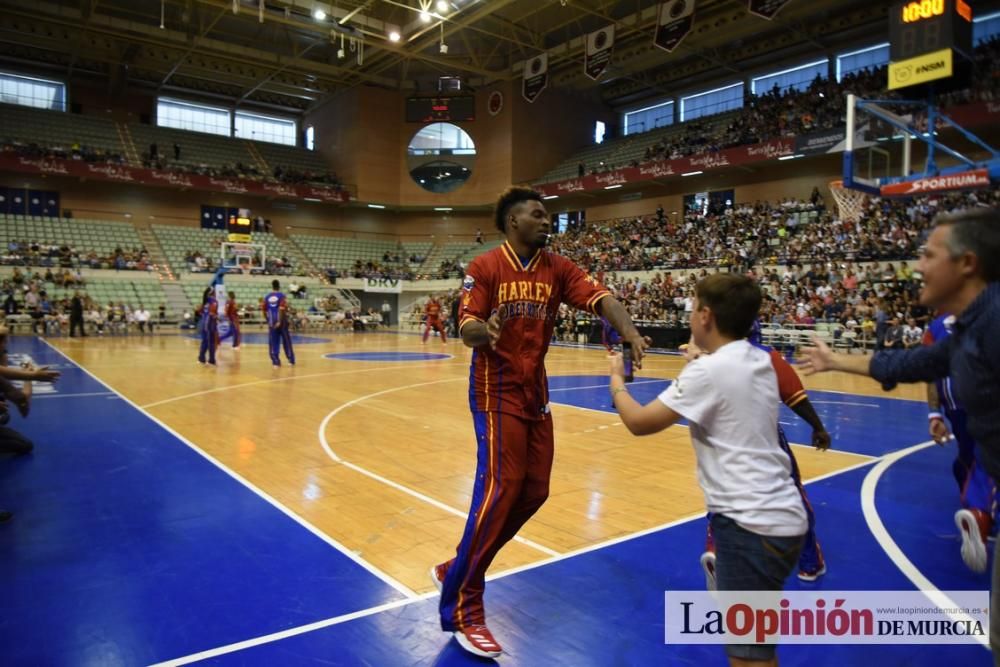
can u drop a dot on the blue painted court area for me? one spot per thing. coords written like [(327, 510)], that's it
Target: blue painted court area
[(387, 356), (605, 607), (870, 425), (261, 339), (128, 547)]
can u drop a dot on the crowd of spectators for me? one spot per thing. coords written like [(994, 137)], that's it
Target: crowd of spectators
[(75, 151), (871, 303), (65, 256), (745, 235), (27, 294), (777, 113)]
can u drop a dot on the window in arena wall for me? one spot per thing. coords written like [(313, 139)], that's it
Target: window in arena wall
[(985, 28), (266, 128), (794, 78), (870, 57), (192, 116), (440, 157), (599, 130), (311, 138), (648, 118), (711, 102), (30, 91)]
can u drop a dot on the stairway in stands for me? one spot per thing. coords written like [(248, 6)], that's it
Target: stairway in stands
[(152, 244), (262, 164), (131, 154), (177, 301)]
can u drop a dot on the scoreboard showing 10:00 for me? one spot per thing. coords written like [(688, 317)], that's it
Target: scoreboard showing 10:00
[(927, 40), (440, 109)]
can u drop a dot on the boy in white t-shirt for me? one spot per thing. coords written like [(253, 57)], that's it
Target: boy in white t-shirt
[(730, 399)]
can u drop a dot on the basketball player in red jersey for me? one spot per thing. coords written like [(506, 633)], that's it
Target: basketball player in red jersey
[(233, 315), (432, 315), (510, 299)]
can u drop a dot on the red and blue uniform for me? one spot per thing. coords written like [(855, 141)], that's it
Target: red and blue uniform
[(509, 399), (609, 337), (432, 320), (233, 315), (978, 490), (209, 329), (278, 333)]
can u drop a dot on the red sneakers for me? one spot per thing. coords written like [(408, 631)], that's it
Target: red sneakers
[(438, 573), (974, 525), (478, 640)]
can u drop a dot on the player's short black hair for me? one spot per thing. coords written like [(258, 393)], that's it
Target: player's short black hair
[(275, 285), (509, 198), (734, 300)]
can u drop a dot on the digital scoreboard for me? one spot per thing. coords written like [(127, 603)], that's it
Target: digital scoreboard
[(440, 109), (239, 227), (928, 40)]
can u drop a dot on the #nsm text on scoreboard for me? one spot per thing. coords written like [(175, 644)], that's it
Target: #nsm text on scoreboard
[(928, 41)]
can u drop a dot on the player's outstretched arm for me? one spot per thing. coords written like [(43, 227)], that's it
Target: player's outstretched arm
[(612, 310)]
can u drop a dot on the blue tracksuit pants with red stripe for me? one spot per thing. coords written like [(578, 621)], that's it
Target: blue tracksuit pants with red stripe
[(512, 482)]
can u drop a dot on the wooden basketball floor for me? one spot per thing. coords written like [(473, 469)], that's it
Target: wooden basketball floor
[(367, 443)]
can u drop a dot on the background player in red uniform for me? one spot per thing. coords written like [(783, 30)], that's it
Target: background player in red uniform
[(233, 315), (432, 320), (510, 298)]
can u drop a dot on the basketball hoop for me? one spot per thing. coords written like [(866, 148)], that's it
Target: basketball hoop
[(850, 203)]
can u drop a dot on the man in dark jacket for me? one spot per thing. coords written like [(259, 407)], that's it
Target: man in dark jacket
[(76, 316)]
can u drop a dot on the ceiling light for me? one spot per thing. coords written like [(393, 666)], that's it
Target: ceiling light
[(612, 187), (442, 208), (442, 6), (341, 54), (393, 34), (551, 197), (319, 15), (425, 17), (375, 206), (692, 173), (443, 48)]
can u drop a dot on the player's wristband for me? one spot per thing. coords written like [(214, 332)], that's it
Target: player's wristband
[(931, 416), (615, 392)]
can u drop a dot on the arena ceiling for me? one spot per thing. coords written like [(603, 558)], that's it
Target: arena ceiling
[(278, 54)]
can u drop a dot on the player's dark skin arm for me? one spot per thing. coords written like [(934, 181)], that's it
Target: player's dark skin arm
[(477, 334), (805, 410)]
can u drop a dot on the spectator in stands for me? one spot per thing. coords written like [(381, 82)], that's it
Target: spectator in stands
[(894, 335), (479, 237), (142, 318), (177, 151), (912, 334)]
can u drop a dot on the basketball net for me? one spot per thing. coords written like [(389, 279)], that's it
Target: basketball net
[(850, 203)]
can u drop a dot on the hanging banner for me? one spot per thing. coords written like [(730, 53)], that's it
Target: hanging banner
[(536, 76), (767, 8), (675, 21), (600, 43)]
